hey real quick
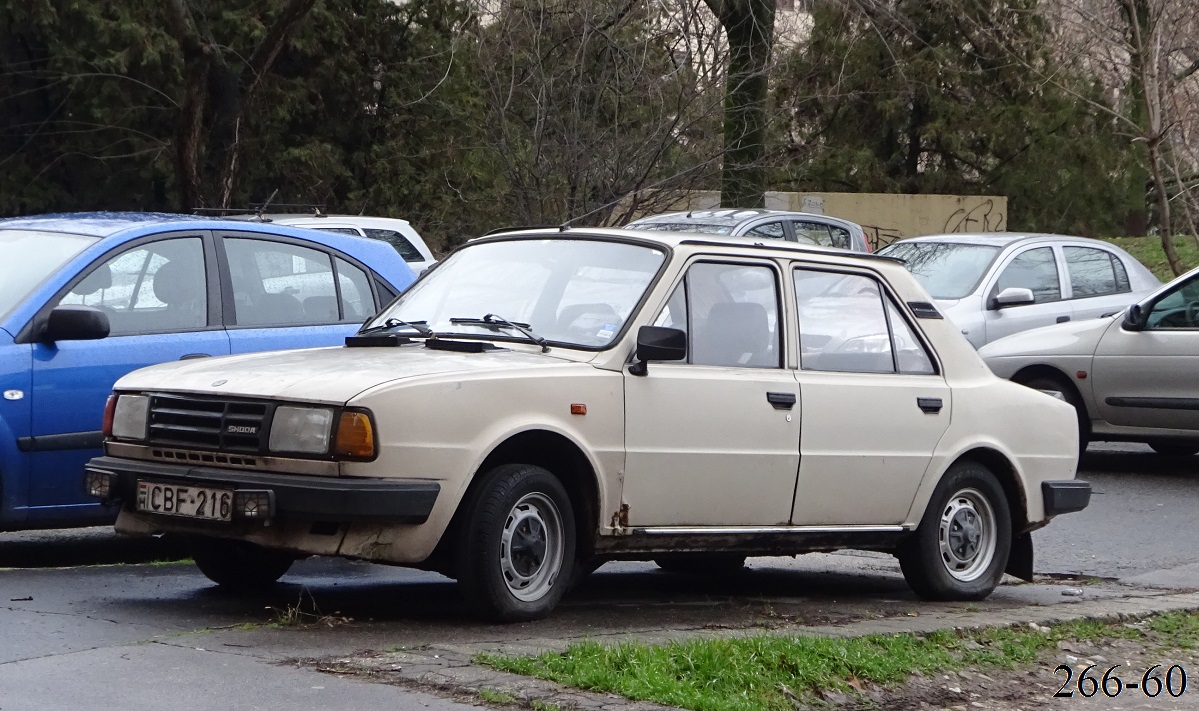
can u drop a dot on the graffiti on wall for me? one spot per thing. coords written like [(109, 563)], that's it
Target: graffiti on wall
[(985, 216)]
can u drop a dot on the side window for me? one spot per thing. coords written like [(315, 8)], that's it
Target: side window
[(847, 325), (1035, 269), (1177, 309), (842, 324), (157, 287), (1093, 272), (356, 296), (731, 314), (910, 356), (812, 233), (406, 249), (278, 284), (841, 237), (769, 230)]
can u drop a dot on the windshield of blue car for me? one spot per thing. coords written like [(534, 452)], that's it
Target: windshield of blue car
[(573, 292), (947, 270), (27, 258)]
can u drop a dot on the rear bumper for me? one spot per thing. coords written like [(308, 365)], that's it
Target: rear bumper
[(1068, 496), (298, 496)]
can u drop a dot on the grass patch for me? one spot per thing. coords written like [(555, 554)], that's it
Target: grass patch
[(1148, 251), (775, 673), (492, 696)]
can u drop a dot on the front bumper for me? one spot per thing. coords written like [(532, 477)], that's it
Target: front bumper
[(297, 497), (1065, 496)]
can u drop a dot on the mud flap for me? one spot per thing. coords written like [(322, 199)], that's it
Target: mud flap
[(1019, 560)]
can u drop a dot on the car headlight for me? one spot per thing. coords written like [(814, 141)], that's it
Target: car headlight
[(130, 416), (301, 430)]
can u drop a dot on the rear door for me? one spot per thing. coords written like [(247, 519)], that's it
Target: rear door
[(874, 403), (1098, 281), (283, 293), (162, 300)]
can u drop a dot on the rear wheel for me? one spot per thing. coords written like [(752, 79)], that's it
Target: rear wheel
[(961, 547), (239, 565), (712, 564), (1171, 449), (516, 554), (1070, 395)]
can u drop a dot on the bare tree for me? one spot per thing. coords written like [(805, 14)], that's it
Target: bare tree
[(217, 91), (749, 27)]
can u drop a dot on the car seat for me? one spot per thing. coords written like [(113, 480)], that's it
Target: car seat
[(181, 287), (735, 334), (321, 309)]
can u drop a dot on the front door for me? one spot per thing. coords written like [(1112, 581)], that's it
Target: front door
[(157, 295), (1150, 378), (874, 405), (1035, 269), (714, 441)]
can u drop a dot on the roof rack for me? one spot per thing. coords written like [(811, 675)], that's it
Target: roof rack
[(258, 209)]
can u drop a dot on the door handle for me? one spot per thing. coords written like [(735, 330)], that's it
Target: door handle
[(191, 356), (931, 405), (781, 401), (1063, 319)]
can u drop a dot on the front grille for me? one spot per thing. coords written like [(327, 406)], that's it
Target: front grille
[(224, 425)]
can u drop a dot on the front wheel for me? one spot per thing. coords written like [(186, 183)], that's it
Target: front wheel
[(516, 554), (239, 565), (1170, 449), (961, 547)]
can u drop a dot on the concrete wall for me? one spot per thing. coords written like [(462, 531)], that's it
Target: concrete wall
[(885, 217)]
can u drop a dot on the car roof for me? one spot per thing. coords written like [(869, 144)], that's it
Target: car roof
[(994, 239), (728, 217), (98, 224), (308, 218), (672, 240)]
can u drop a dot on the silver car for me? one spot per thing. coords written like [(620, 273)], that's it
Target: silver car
[(801, 227), (992, 285), (1133, 377)]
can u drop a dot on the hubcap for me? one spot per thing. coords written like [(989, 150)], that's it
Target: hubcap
[(531, 547), (967, 535)]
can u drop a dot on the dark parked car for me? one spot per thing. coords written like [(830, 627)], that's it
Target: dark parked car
[(87, 298)]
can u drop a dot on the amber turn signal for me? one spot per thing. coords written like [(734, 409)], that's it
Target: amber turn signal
[(355, 436)]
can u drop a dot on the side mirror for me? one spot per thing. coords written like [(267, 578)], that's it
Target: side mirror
[(1135, 318), (1013, 296), (658, 343), (75, 323)]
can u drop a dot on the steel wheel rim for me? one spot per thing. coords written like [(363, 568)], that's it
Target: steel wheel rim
[(967, 535), (531, 547)]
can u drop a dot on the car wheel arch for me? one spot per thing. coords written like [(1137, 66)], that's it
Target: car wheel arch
[(1032, 372), (563, 458), (1005, 471)]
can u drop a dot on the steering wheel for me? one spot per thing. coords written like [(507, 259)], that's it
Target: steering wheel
[(1192, 314)]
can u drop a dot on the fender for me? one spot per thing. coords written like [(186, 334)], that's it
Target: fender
[(16, 376), (14, 478)]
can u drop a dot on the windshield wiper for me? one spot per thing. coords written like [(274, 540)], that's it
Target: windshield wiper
[(418, 326), (494, 320)]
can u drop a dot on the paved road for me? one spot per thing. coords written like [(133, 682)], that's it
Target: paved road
[(159, 636)]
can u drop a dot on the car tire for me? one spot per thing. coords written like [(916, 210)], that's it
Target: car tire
[(708, 564), (516, 554), (960, 549), (1070, 395), (239, 565), (1170, 449)]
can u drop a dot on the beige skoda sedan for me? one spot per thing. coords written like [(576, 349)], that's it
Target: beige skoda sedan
[(544, 401)]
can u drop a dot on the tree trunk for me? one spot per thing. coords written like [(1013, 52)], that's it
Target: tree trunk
[(749, 26)]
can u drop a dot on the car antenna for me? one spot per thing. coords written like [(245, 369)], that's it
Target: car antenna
[(263, 206)]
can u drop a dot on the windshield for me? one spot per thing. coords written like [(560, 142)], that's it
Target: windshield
[(570, 291), (947, 270), (28, 258), (708, 229)]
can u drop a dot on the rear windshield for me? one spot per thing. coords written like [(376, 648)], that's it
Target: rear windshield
[(708, 229)]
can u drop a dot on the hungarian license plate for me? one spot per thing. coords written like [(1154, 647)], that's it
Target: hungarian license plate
[(187, 501)]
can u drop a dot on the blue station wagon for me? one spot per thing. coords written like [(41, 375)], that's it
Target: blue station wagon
[(87, 298)]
